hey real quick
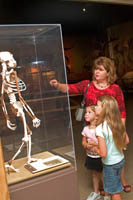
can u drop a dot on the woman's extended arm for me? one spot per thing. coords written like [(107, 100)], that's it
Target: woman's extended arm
[(59, 86)]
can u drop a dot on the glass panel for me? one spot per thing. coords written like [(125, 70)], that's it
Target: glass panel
[(38, 51)]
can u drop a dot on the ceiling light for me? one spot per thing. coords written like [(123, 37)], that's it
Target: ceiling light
[(84, 9)]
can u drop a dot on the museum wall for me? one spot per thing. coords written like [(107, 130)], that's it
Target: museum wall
[(81, 51), (121, 40), (117, 43)]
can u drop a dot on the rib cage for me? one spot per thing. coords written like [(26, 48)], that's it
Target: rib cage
[(13, 86)]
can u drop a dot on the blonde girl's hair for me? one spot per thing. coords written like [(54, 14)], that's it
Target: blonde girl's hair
[(111, 114), (108, 65)]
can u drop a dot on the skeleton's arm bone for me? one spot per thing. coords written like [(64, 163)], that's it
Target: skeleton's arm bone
[(26, 106), (4, 107), (4, 68), (36, 121), (9, 124)]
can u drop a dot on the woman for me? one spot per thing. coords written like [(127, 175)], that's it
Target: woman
[(104, 76)]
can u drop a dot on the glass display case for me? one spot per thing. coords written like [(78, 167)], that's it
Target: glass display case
[(36, 129)]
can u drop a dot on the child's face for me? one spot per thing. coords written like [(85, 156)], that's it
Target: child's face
[(99, 108), (89, 115)]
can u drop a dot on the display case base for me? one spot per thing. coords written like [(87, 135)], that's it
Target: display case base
[(60, 185), (24, 174)]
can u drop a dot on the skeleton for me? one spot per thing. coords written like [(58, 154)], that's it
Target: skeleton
[(12, 86)]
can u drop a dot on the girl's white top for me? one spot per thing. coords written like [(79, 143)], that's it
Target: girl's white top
[(114, 155)]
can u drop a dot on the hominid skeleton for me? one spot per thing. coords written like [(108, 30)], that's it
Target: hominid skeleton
[(12, 85)]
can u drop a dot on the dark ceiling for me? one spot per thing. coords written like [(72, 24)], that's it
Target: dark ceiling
[(69, 14)]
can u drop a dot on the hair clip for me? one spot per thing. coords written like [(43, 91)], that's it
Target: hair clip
[(103, 101)]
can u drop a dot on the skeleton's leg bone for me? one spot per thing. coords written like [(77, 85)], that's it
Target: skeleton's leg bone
[(20, 113), (29, 151), (9, 165), (29, 146), (19, 151), (18, 109), (27, 136)]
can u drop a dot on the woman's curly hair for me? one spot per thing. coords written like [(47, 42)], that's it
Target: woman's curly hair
[(109, 66)]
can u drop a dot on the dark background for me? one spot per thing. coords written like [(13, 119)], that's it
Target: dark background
[(69, 14)]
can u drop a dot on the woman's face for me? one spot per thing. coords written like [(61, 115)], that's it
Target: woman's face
[(89, 115), (100, 73), (99, 108)]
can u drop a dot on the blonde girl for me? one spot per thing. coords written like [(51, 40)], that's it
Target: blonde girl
[(112, 140)]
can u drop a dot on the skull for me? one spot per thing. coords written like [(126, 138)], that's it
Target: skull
[(7, 58)]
